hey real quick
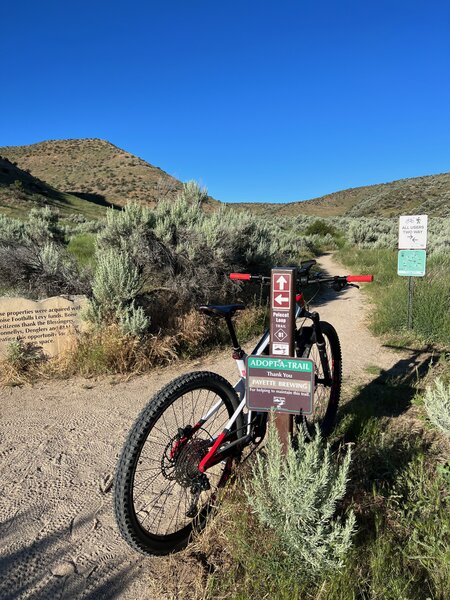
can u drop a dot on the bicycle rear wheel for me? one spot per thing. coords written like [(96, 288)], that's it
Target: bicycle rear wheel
[(159, 497), (326, 396)]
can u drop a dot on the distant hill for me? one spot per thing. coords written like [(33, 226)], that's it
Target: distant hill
[(94, 169), (86, 175), (429, 194)]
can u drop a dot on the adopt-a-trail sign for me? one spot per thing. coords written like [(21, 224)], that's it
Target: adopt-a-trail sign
[(280, 383)]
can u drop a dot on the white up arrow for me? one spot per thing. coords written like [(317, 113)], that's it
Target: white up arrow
[(280, 299), (281, 281)]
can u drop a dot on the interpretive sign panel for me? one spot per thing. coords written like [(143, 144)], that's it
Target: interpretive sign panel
[(412, 232), (47, 323), (283, 384), (282, 321), (411, 263)]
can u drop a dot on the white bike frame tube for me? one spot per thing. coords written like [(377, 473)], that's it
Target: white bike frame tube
[(240, 384), (212, 410)]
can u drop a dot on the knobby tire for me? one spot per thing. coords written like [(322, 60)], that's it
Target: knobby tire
[(152, 492)]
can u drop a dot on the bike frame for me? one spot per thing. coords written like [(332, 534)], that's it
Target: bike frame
[(215, 455)]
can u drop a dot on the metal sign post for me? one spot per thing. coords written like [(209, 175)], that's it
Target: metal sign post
[(412, 241), (282, 327), (410, 300)]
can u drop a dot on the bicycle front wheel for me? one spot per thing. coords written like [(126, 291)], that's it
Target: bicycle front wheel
[(326, 394), (159, 498)]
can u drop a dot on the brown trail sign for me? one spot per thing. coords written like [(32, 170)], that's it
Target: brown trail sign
[(281, 382), (282, 327)]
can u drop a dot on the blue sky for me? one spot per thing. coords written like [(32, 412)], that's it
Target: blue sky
[(257, 100)]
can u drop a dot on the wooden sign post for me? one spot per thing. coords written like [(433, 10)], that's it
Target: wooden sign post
[(282, 328)]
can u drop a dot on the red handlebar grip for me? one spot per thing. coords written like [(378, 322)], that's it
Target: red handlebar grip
[(366, 278), (245, 276)]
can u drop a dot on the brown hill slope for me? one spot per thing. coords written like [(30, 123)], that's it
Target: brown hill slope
[(94, 169), (429, 195), (97, 171), (20, 191)]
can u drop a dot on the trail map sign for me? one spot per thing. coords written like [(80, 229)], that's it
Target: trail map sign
[(279, 383), (411, 263), (412, 232)]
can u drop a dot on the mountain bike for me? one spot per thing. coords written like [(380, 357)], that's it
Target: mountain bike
[(183, 446)]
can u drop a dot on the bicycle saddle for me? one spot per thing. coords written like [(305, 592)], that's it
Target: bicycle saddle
[(305, 266), (227, 310)]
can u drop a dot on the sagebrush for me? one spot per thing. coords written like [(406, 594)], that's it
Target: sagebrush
[(297, 495)]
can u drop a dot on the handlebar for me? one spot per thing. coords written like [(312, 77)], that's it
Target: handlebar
[(245, 276), (339, 280), (366, 278)]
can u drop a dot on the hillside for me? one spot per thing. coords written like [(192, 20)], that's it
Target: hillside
[(429, 194), (94, 170), (20, 191), (87, 175)]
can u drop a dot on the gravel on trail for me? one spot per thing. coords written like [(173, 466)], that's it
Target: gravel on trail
[(59, 443)]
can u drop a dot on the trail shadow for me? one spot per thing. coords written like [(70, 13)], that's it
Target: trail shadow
[(98, 199), (388, 395), (383, 447), (30, 569)]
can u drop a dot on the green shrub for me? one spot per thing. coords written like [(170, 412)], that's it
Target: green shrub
[(23, 356), (437, 405), (43, 226), (132, 320), (117, 282), (321, 228), (296, 497), (12, 231), (21, 363)]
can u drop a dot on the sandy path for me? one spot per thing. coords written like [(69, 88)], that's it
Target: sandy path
[(59, 443)]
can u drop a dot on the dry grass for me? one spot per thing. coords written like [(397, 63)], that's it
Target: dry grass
[(107, 350), (11, 376)]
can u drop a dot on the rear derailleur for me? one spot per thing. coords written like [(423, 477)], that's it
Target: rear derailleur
[(199, 485)]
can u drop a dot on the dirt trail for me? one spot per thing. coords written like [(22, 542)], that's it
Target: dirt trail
[(59, 443)]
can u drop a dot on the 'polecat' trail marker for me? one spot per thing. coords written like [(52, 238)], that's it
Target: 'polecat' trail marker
[(269, 389), (282, 312)]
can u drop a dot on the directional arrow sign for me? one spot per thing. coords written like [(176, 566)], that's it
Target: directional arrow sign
[(282, 299), (412, 232), (280, 282), (282, 338)]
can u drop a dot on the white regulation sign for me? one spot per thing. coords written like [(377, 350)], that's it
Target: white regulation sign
[(412, 232)]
